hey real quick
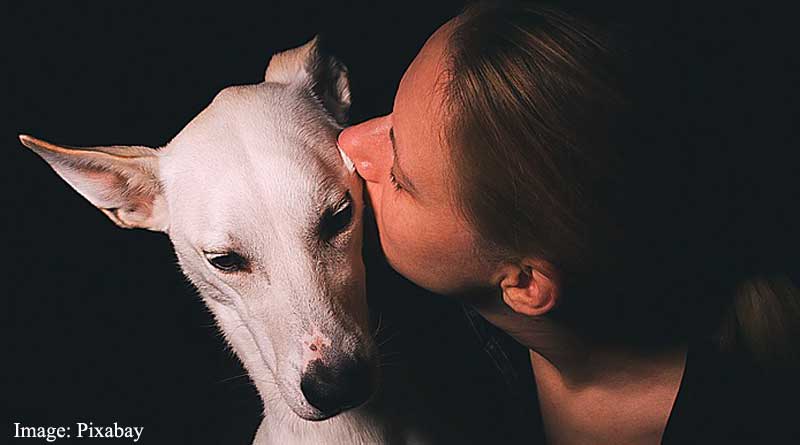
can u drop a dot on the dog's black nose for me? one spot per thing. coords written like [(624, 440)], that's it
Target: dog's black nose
[(338, 386)]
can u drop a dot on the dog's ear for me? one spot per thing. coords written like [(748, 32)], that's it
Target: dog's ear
[(324, 74), (121, 181)]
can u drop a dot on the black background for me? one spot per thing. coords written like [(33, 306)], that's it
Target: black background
[(101, 326)]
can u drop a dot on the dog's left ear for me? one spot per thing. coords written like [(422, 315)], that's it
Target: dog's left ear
[(322, 73)]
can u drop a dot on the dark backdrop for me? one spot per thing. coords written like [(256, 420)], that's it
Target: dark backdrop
[(99, 323), (102, 326)]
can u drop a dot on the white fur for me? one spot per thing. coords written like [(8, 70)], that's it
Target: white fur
[(253, 173)]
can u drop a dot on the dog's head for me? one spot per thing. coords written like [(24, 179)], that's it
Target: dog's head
[(265, 216)]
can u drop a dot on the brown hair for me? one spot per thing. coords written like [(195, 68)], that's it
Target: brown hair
[(560, 154)]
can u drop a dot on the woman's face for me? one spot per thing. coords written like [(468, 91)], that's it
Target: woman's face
[(407, 171)]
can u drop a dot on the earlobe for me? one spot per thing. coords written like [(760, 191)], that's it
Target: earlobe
[(530, 288)]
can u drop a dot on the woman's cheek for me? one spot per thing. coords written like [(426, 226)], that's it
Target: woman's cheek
[(391, 217), (397, 223), (380, 208)]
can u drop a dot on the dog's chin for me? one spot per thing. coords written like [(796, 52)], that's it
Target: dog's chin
[(307, 412), (316, 416), (311, 414)]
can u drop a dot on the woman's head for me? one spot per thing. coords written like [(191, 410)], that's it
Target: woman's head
[(535, 154), (499, 128)]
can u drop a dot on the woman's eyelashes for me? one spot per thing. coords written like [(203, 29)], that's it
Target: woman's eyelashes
[(393, 180)]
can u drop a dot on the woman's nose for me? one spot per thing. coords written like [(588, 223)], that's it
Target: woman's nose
[(369, 146)]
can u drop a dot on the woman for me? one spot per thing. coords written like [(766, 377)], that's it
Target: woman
[(530, 168)]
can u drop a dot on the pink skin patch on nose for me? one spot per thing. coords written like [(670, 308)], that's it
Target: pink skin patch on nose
[(365, 165), (313, 345)]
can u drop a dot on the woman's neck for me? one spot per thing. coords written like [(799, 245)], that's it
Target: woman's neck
[(585, 388)]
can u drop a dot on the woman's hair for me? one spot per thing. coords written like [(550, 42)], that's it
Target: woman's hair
[(570, 143)]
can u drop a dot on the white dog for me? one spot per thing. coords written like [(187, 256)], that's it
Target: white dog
[(266, 220)]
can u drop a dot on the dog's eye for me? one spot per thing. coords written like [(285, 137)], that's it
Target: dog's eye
[(337, 219), (226, 262)]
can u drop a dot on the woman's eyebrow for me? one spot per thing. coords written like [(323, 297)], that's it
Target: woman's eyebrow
[(398, 171)]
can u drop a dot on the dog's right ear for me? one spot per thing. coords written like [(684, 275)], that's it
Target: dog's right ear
[(121, 181), (322, 73)]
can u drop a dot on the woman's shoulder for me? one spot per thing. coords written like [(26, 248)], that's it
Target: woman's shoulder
[(725, 397)]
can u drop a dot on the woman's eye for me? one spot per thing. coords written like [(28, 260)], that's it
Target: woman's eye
[(336, 221), (227, 262)]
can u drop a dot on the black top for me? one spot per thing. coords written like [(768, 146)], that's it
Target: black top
[(723, 398), (478, 380)]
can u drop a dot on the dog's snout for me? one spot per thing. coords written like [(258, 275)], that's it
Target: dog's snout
[(335, 387)]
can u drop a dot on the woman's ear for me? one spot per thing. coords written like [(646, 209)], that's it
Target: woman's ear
[(530, 287)]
